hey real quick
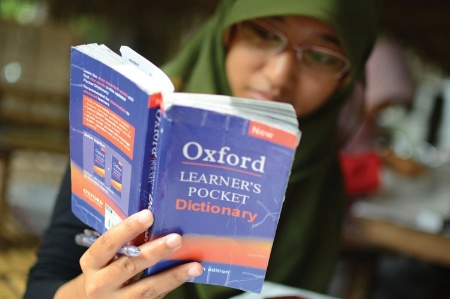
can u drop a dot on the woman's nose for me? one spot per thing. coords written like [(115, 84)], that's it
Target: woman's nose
[(282, 69)]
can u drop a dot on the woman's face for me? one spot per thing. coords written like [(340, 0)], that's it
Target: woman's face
[(256, 70)]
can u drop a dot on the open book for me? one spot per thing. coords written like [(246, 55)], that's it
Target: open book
[(212, 168)]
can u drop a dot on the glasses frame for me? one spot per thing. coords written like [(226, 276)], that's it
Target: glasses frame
[(300, 48)]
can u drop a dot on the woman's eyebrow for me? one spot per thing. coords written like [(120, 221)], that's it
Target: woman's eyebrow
[(278, 19), (330, 38)]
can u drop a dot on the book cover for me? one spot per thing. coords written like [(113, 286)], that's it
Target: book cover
[(222, 178), (111, 136), (212, 168)]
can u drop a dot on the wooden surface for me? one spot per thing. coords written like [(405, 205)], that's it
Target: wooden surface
[(424, 246), (14, 266)]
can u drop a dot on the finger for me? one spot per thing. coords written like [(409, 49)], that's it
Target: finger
[(152, 252), (157, 285), (107, 245)]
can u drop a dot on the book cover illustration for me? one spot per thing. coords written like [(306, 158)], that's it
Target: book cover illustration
[(212, 168), (99, 160), (116, 175)]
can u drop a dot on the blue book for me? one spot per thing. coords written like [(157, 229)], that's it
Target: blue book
[(212, 168)]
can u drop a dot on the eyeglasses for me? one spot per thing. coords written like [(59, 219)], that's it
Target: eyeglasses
[(268, 40)]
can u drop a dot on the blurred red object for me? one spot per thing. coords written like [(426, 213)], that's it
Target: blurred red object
[(361, 172)]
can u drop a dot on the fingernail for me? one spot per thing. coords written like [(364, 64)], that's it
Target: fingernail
[(145, 216), (194, 271), (173, 241)]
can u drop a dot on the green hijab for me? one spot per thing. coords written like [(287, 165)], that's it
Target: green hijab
[(309, 231)]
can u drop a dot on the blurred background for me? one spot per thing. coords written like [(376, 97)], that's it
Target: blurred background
[(35, 40)]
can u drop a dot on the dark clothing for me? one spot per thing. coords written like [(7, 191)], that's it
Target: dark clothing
[(58, 257)]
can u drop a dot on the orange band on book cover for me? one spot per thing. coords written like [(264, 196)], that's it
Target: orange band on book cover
[(109, 125), (246, 252), (85, 189)]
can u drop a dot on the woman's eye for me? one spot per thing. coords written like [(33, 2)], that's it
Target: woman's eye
[(318, 57)]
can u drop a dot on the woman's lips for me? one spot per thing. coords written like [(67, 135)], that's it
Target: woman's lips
[(265, 96)]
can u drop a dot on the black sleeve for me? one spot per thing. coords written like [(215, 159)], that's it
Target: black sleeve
[(58, 256)]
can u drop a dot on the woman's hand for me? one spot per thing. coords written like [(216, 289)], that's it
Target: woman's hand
[(106, 277)]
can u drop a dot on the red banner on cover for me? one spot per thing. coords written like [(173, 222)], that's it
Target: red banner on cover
[(272, 134)]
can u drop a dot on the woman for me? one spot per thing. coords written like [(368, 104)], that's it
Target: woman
[(304, 52)]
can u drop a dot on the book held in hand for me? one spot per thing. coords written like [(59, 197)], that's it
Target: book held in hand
[(212, 168)]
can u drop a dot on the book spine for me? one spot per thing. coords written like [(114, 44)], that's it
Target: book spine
[(150, 157)]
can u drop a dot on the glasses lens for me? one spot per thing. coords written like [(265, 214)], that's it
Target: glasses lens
[(323, 62), (260, 37), (267, 40)]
